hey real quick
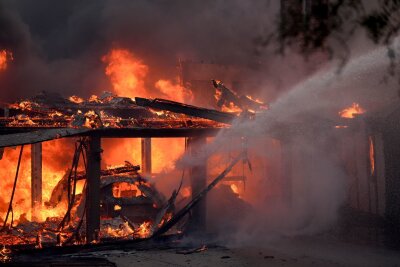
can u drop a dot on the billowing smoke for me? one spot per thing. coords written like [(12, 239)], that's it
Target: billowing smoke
[(58, 46), (318, 183)]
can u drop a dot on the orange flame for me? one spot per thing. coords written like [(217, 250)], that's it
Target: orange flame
[(76, 99), (53, 170), (235, 189), (186, 192), (124, 230), (5, 57), (173, 91), (231, 107), (352, 111), (126, 73), (144, 230)]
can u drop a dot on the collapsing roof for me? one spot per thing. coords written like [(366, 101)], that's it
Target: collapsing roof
[(49, 116)]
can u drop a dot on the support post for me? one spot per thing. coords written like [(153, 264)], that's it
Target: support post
[(36, 180), (93, 189), (146, 156), (198, 180)]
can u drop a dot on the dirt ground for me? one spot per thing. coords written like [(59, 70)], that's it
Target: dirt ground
[(291, 252), (304, 252)]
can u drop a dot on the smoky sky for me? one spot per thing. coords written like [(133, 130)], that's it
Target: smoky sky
[(57, 45)]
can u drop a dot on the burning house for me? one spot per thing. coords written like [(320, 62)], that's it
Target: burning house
[(108, 147)]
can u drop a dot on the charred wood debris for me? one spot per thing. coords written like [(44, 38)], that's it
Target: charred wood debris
[(48, 116)]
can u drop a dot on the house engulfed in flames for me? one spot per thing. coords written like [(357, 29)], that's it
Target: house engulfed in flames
[(96, 200), (128, 203), (86, 204)]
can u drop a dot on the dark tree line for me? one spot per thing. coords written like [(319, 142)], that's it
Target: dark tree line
[(326, 25)]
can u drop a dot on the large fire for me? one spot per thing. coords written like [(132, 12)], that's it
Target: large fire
[(5, 58), (126, 73), (352, 111), (54, 167)]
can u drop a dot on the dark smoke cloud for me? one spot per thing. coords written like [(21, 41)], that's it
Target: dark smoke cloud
[(57, 45)]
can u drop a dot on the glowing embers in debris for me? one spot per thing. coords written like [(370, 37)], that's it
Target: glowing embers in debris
[(5, 57), (5, 254), (144, 230), (76, 99), (123, 189), (352, 111), (116, 227)]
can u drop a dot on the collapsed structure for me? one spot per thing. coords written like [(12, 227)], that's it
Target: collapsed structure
[(121, 202), (118, 202)]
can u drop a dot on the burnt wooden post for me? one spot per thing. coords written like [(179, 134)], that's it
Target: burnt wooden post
[(146, 155), (93, 189), (36, 179), (198, 180)]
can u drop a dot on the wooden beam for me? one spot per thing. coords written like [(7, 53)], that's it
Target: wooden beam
[(163, 104), (93, 189), (36, 180), (33, 137), (146, 155), (198, 180), (17, 136)]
